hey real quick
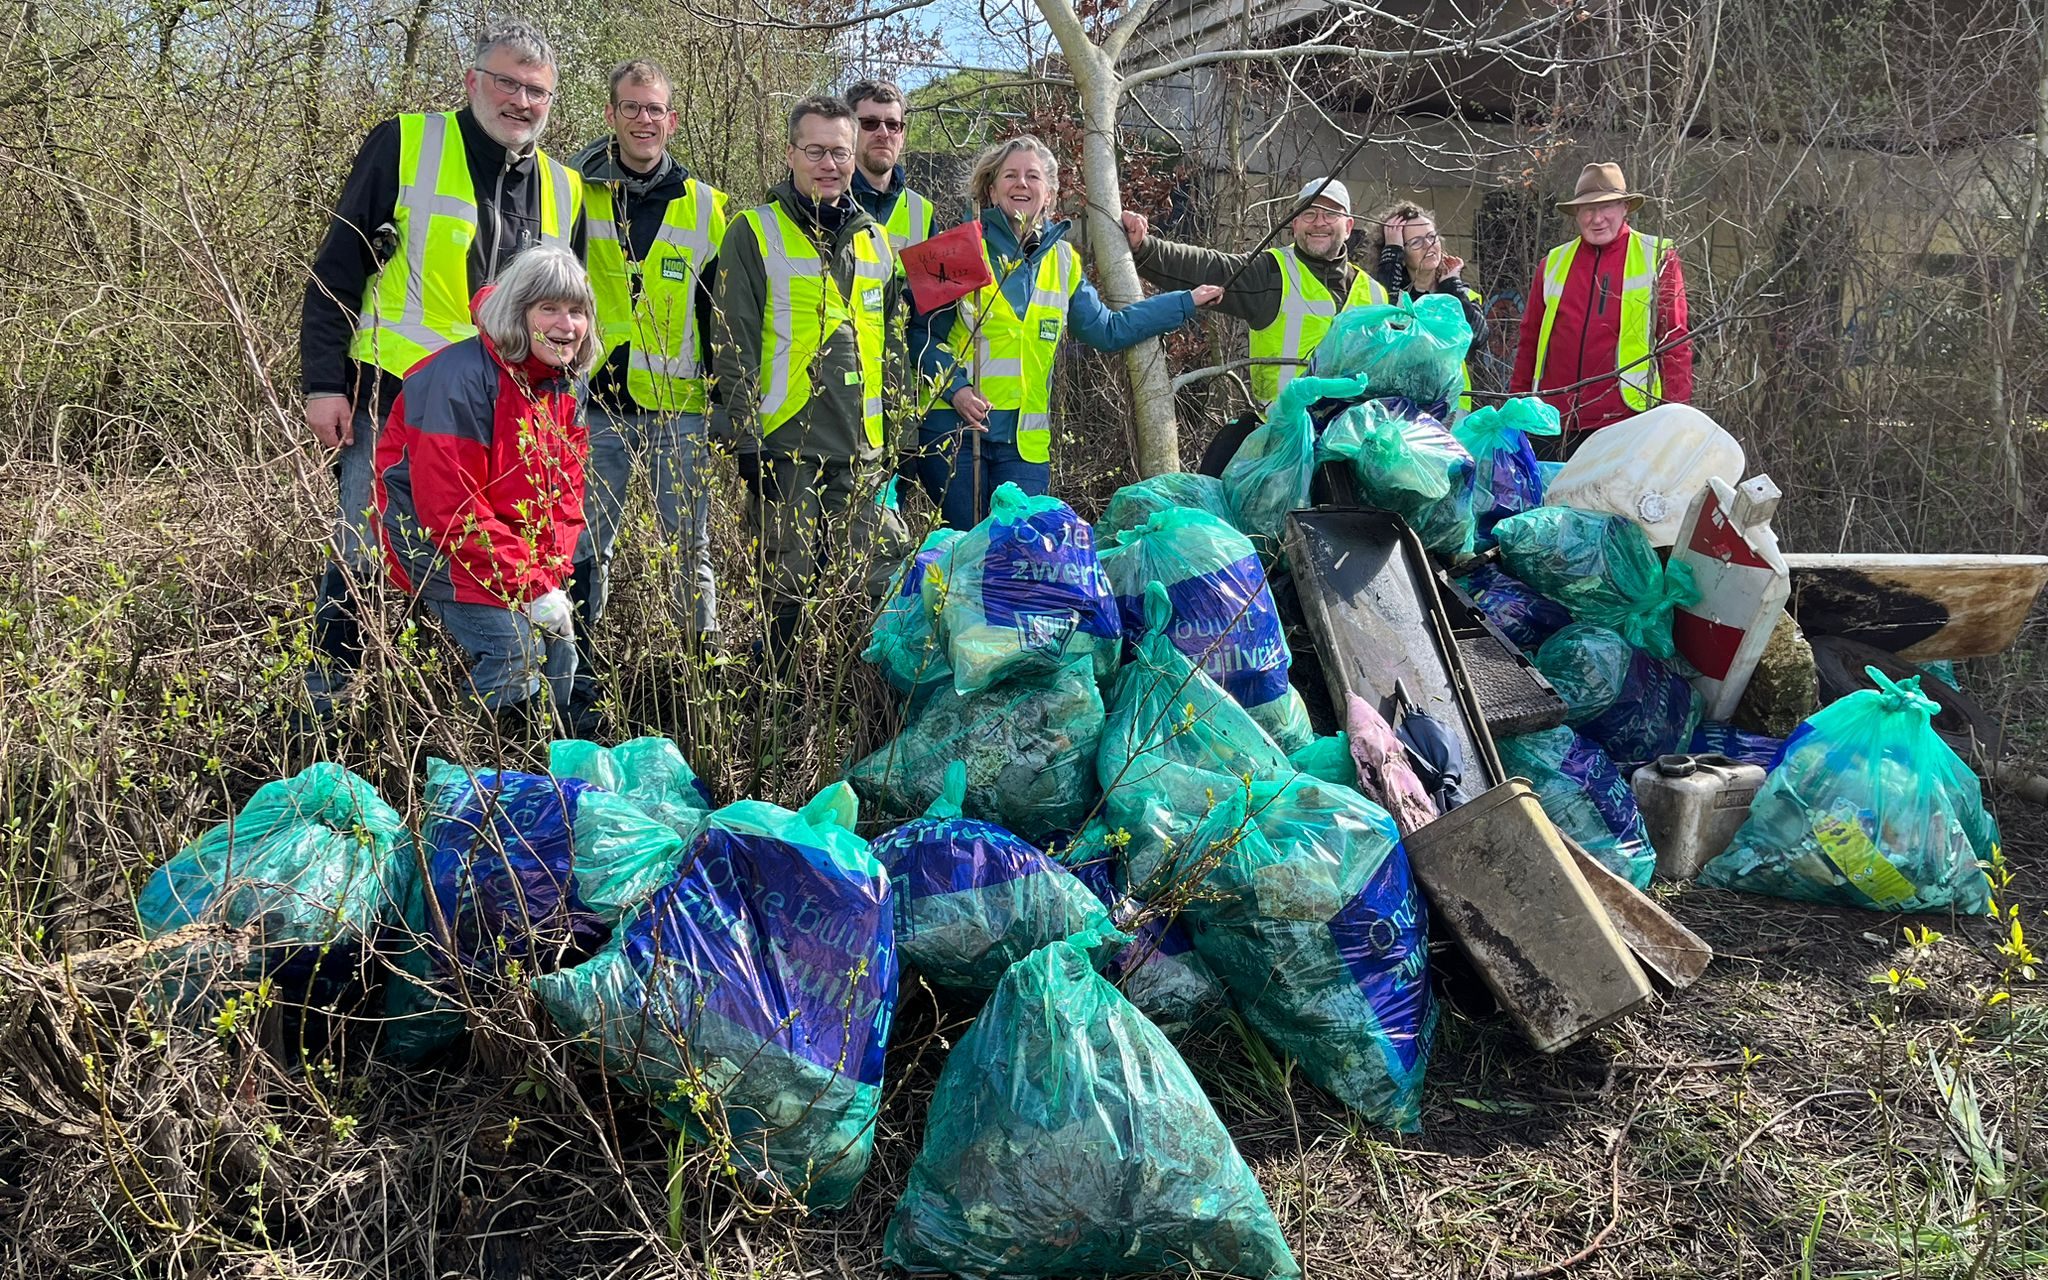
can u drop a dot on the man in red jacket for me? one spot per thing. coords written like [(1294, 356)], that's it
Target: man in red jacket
[(1604, 336)]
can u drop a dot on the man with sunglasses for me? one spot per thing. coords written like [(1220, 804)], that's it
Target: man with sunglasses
[(653, 230), (879, 183), (435, 207), (1289, 296)]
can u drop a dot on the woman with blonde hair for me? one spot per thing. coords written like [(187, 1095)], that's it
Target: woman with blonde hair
[(479, 481), (989, 357)]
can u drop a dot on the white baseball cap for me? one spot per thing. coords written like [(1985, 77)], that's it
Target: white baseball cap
[(1325, 189)]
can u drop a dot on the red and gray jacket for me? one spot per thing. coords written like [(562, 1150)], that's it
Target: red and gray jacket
[(480, 478)]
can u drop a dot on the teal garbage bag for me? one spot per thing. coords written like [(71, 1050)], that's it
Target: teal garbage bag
[(905, 641), (1029, 744), (1159, 971), (1412, 348), (1269, 475), (1023, 591), (1308, 913), (1131, 506), (973, 899), (1583, 792), (1506, 479), (1635, 706), (751, 998), (1408, 463), (1601, 568), (1223, 612), (312, 867), (1867, 807), (1067, 1138), (1329, 760), (651, 772)]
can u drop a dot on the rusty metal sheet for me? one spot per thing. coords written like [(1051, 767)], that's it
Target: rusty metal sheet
[(1921, 607)]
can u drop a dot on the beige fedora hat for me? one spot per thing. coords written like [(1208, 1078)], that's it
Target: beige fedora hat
[(1600, 182)]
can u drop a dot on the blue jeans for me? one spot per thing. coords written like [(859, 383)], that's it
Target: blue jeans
[(947, 472), (356, 561), (509, 657), (678, 460)]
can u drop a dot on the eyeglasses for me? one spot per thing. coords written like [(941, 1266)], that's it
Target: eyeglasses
[(1314, 215), (1425, 240), (818, 154), (519, 90), (634, 110), (875, 124)]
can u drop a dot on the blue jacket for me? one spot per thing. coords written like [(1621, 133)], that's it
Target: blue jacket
[(1088, 318)]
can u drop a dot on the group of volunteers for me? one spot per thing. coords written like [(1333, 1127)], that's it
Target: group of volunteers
[(494, 340)]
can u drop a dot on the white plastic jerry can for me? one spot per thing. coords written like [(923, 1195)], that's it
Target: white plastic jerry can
[(1648, 468), (1692, 807), (1727, 541)]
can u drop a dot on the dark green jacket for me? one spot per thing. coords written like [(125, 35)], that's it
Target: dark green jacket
[(830, 426), (1253, 297)]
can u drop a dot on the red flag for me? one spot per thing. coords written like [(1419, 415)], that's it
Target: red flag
[(947, 267)]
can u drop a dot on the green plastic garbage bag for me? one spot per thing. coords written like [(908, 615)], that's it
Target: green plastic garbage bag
[(1023, 591), (312, 866), (650, 772), (1583, 792), (905, 642), (1269, 476), (1868, 808), (751, 998), (1635, 706), (1134, 504), (1159, 971), (1413, 348), (972, 899), (1309, 915), (1600, 567), (1408, 463), (1029, 744), (1067, 1138), (1328, 759), (1223, 613)]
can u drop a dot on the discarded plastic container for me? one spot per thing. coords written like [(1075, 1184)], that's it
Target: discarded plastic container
[(1648, 468), (1693, 806), (1502, 880), (1743, 582)]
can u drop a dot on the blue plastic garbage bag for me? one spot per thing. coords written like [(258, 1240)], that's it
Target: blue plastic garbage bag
[(1414, 348), (973, 899), (1159, 971), (1407, 462), (1868, 808), (1507, 480), (1600, 567), (1067, 1138), (751, 998), (1522, 613), (905, 641), (1583, 792), (1635, 706), (312, 867), (1269, 475), (1134, 504), (1716, 738), (1223, 612), (1023, 591)]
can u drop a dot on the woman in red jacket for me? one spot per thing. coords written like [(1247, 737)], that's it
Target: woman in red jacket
[(480, 480)]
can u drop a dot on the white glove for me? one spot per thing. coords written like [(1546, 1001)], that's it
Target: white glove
[(553, 613)]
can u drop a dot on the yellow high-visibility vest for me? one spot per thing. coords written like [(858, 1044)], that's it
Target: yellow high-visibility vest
[(1306, 312), (418, 302), (1013, 354), (910, 222), (805, 307), (662, 368), (1642, 383)]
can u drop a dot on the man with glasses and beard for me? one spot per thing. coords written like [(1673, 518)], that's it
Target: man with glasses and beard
[(879, 183), (435, 208), (806, 326)]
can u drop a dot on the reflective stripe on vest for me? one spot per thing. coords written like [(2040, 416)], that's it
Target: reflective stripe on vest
[(418, 302), (1013, 355), (910, 222), (805, 308), (1306, 312), (1642, 382), (660, 321)]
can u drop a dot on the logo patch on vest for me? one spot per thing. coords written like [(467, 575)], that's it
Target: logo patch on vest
[(1049, 329), (675, 268)]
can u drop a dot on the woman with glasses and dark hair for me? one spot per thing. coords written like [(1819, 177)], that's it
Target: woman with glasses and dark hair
[(991, 354), (479, 483), (1408, 255)]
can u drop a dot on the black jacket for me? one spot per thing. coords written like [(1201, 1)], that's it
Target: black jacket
[(361, 237)]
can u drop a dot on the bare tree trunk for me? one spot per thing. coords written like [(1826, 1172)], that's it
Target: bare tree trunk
[(2004, 416)]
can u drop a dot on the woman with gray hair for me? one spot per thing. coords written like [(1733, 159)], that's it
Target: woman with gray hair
[(991, 354), (480, 481)]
